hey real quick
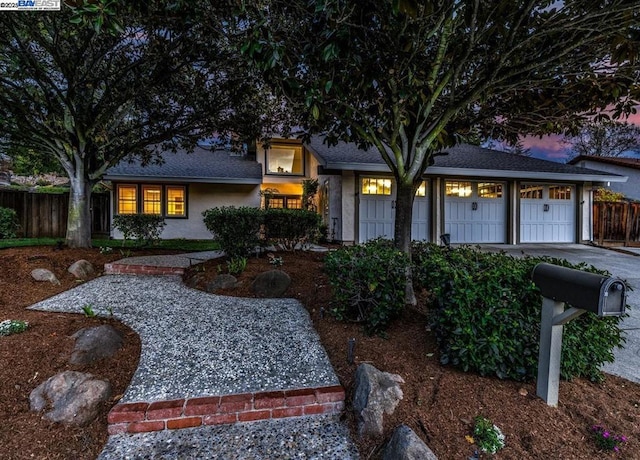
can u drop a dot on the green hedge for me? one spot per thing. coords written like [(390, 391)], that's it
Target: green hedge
[(8, 223), (144, 228), (290, 228), (368, 283), (236, 229), (487, 316)]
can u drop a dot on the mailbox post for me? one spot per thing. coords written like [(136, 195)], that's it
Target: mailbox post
[(598, 294)]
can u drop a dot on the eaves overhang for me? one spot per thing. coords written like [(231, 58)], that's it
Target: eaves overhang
[(177, 179), (489, 173)]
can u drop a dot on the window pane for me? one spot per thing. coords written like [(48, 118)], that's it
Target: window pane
[(422, 190), (458, 189), (294, 203), (176, 201), (276, 202), (371, 186), (489, 190), (151, 199), (127, 200), (285, 160), (531, 192), (559, 192)]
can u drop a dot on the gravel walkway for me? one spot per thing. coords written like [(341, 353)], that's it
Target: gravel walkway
[(196, 344)]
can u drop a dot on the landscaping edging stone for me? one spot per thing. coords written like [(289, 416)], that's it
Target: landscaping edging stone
[(141, 417)]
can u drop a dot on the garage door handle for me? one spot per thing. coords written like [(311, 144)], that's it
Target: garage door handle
[(474, 206), (545, 208)]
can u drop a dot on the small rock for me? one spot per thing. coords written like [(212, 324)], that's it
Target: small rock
[(95, 343), (81, 269), (74, 397), (272, 283), (376, 393), (42, 274), (523, 391), (223, 281), (406, 445)]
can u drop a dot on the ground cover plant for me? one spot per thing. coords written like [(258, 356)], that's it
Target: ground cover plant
[(440, 402)]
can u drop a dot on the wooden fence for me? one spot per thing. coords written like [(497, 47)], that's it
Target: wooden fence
[(44, 215), (616, 223)]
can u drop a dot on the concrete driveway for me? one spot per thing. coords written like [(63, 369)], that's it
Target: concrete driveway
[(625, 266)]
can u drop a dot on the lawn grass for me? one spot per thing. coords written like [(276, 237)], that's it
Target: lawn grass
[(177, 244)]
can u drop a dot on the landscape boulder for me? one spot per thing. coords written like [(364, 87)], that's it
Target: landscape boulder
[(223, 281), (406, 445), (376, 393), (74, 398), (272, 283), (42, 274), (81, 269), (94, 343)]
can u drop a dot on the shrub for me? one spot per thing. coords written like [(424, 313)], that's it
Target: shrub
[(488, 315), (237, 230), (12, 326), (144, 228), (487, 436), (368, 283), (236, 265), (8, 223), (290, 228)]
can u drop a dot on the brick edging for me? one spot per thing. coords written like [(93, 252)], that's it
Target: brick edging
[(133, 269), (139, 417)]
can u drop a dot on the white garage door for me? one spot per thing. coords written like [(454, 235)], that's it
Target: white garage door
[(377, 210), (475, 212), (547, 213)]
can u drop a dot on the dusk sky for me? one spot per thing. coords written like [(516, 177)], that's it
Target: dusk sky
[(552, 148)]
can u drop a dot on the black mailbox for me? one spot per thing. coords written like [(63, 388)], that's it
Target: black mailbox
[(599, 294)]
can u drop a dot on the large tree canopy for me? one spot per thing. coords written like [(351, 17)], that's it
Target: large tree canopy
[(605, 138), (413, 77), (90, 98)]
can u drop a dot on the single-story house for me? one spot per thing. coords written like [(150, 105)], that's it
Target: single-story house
[(629, 167), (475, 195)]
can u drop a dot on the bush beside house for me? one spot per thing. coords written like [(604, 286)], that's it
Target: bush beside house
[(485, 308)]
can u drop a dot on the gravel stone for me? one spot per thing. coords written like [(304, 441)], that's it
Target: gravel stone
[(198, 344), (319, 437)]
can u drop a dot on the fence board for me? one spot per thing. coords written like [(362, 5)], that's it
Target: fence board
[(616, 223), (44, 215)]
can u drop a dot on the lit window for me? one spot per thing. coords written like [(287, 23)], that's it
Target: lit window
[(176, 201), (284, 159), (458, 189), (559, 192), (489, 190), (422, 190), (151, 199), (127, 199), (531, 192), (372, 186), (282, 201)]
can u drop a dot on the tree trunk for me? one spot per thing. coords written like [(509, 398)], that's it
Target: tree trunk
[(79, 218), (402, 231)]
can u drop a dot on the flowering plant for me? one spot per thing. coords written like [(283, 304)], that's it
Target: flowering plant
[(487, 436), (12, 326), (606, 440)]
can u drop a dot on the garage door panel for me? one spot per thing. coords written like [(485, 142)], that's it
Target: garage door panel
[(473, 219), (377, 211), (546, 220)]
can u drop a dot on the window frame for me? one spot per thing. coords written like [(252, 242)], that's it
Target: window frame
[(298, 148), (139, 198), (285, 201)]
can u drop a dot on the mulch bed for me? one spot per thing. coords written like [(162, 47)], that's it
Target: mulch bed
[(439, 402)]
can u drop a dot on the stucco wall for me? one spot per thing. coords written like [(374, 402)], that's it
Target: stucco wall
[(631, 188), (200, 198), (348, 207)]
